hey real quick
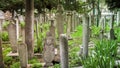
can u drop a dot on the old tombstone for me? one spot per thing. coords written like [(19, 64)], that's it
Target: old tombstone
[(1, 54), (118, 18), (52, 29), (60, 19), (85, 39), (12, 36), (63, 51), (22, 27), (8, 15), (68, 24), (48, 52), (22, 50), (17, 27)]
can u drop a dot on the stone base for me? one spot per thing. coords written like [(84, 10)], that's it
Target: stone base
[(13, 54)]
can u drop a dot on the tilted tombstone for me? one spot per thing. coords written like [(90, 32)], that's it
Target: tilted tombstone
[(48, 52)]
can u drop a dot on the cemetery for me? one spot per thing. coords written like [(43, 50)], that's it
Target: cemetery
[(59, 34)]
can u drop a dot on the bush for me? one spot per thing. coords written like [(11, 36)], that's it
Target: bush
[(5, 36), (103, 56), (37, 65), (15, 65)]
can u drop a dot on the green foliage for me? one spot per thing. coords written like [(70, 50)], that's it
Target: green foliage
[(5, 36), (103, 55), (117, 33), (56, 66), (22, 24), (78, 33), (5, 24), (73, 56), (113, 4), (15, 65), (41, 37), (34, 60), (36, 65), (95, 31), (7, 60)]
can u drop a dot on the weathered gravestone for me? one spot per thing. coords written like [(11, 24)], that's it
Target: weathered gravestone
[(8, 15), (52, 29), (22, 27), (48, 52), (69, 14), (12, 36), (22, 50), (1, 56), (60, 19), (64, 51)]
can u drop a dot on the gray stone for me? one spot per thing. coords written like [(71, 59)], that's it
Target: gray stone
[(48, 52)]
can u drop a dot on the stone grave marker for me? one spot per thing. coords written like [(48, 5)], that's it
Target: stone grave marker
[(12, 36), (1, 56), (69, 24), (60, 19), (22, 50), (52, 29), (64, 51), (8, 15), (48, 52)]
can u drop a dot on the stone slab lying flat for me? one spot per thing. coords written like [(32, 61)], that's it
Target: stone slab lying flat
[(12, 54), (78, 67)]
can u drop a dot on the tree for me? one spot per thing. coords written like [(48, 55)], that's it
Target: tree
[(113, 4), (29, 22)]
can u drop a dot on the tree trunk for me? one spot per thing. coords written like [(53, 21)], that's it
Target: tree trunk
[(85, 35), (1, 56), (29, 22)]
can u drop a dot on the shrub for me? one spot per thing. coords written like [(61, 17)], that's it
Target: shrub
[(103, 55), (5, 36)]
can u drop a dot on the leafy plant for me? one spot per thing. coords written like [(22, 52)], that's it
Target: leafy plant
[(5, 36), (15, 65), (22, 24), (37, 65), (5, 24), (95, 31), (32, 61), (103, 55)]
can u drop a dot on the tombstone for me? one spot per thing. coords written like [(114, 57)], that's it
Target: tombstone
[(52, 29), (22, 28), (12, 36), (85, 39), (22, 50), (48, 51), (118, 18), (60, 19), (17, 28), (8, 15), (1, 54), (64, 51), (68, 24)]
